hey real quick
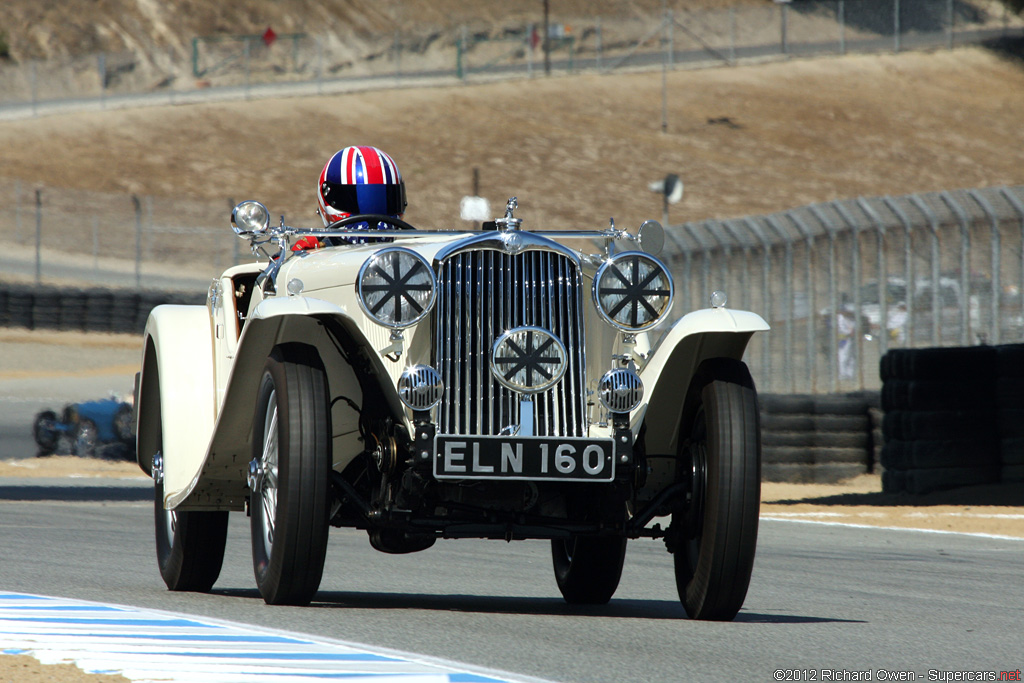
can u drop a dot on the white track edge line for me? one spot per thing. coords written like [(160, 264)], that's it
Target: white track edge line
[(414, 657), (894, 528)]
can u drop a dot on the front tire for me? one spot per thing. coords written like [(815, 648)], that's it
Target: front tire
[(290, 503), (717, 532), (44, 428), (588, 569)]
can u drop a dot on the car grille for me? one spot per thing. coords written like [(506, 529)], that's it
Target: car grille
[(484, 293)]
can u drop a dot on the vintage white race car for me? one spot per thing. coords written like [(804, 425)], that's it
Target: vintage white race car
[(449, 384)]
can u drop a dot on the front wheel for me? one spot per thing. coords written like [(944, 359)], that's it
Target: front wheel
[(44, 428), (587, 569), (290, 501), (717, 528)]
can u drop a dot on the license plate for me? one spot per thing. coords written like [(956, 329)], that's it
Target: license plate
[(532, 458)]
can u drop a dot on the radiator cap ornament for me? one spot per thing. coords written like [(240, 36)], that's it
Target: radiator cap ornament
[(528, 359)]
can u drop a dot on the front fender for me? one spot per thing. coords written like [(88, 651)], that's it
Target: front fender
[(176, 393), (221, 483), (702, 334)]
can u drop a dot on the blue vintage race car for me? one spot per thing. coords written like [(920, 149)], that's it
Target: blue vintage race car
[(101, 428)]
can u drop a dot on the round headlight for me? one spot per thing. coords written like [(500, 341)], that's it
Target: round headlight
[(420, 387), (620, 390), (396, 287), (250, 218), (633, 291)]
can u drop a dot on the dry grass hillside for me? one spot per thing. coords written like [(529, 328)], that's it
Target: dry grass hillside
[(576, 150)]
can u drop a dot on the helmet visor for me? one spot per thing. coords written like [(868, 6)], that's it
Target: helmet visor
[(388, 200)]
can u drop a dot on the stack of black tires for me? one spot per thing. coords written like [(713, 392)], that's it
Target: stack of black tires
[(86, 310), (1010, 399), (953, 417), (816, 438)]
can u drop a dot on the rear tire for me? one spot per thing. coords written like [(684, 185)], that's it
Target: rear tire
[(718, 531), (290, 504), (588, 569)]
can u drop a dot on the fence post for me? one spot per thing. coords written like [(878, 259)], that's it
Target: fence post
[(597, 49), (896, 25), (138, 241), (742, 299), (787, 288), (996, 283), (883, 275), (1018, 206), (732, 35), (766, 300), (833, 294), (705, 268), (841, 11), (933, 225), (908, 263), (39, 236), (34, 75), (247, 67), (101, 68), (949, 19), (812, 377), (965, 266), (319, 66), (858, 348)]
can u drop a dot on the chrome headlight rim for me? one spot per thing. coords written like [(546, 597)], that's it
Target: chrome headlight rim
[(613, 263), (420, 387), (250, 218), (620, 380), (400, 296), (556, 377)]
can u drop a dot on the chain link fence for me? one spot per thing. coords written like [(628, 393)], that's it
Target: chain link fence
[(843, 282), (840, 282), (228, 63)]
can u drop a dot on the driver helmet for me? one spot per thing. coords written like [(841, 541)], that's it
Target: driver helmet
[(360, 180)]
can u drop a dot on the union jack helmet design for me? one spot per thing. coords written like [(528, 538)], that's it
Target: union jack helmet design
[(360, 180)]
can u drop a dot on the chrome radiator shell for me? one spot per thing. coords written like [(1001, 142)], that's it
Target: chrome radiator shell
[(482, 293)]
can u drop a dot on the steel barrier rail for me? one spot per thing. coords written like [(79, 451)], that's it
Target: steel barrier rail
[(908, 261), (933, 225), (883, 277), (801, 226), (858, 347), (986, 206), (965, 266)]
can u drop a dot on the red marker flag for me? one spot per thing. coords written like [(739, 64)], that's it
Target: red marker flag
[(269, 37)]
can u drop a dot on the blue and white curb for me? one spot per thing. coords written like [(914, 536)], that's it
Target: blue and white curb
[(150, 646)]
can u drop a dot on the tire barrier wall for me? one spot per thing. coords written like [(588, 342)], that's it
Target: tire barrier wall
[(84, 310), (953, 417), (818, 438)]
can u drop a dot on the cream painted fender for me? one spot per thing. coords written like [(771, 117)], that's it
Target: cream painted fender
[(176, 393), (702, 334), (219, 479)]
